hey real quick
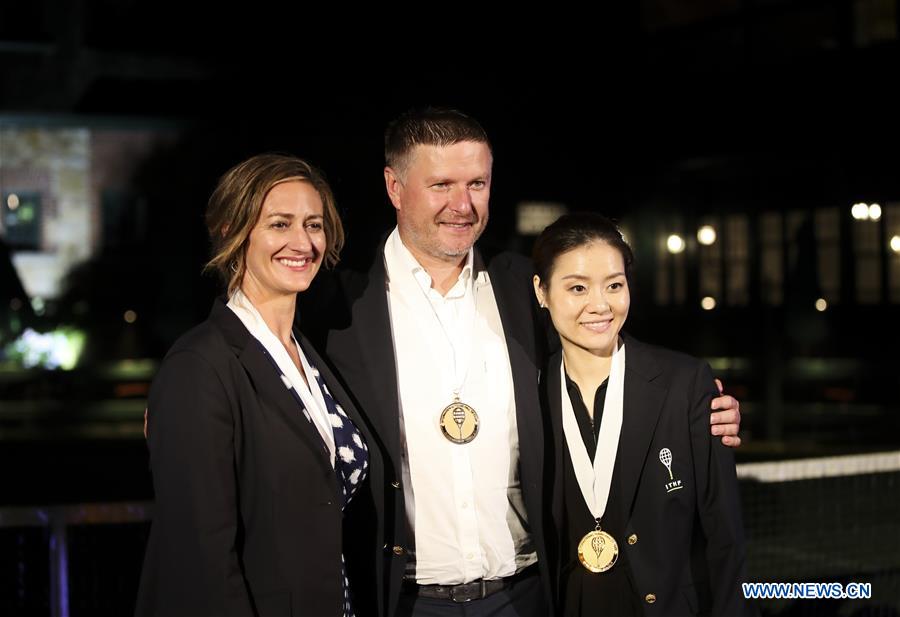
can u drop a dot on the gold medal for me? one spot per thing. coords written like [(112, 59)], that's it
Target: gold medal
[(459, 422), (598, 551)]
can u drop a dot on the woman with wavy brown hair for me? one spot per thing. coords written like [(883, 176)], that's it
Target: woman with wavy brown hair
[(255, 449)]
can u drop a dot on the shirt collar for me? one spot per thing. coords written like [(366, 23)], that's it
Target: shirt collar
[(404, 260)]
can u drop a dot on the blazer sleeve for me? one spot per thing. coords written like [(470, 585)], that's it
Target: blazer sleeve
[(718, 503), (192, 551)]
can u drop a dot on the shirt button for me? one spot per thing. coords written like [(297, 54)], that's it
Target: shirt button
[(632, 539), (398, 550), (470, 556), (650, 598), (465, 505)]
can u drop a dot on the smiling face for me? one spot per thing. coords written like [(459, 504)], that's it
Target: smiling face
[(441, 198), (287, 245), (587, 296)]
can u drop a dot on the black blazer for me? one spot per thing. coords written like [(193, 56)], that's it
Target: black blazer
[(347, 313), (247, 519), (688, 548)]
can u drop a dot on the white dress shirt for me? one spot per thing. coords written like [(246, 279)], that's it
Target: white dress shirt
[(464, 501)]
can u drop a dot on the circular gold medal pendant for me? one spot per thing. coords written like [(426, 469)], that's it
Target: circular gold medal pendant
[(598, 551), (459, 422)]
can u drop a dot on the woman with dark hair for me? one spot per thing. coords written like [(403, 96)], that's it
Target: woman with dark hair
[(254, 447), (645, 502)]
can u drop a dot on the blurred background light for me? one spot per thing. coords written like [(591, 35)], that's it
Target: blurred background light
[(59, 348), (675, 244), (706, 235), (533, 216), (860, 211)]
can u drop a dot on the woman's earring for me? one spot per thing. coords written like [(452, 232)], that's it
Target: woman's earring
[(234, 267)]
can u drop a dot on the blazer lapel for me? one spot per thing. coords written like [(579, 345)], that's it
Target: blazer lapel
[(372, 326), (346, 402), (514, 307), (643, 402), (334, 385), (553, 392), (266, 380)]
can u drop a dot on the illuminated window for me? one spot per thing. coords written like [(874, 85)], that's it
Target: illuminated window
[(532, 217), (828, 244), (662, 284), (771, 237), (737, 254), (792, 223), (892, 222), (671, 267), (710, 260), (867, 252), (21, 211)]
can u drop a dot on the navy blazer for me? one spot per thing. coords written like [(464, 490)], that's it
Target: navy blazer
[(248, 518), (687, 550), (347, 314)]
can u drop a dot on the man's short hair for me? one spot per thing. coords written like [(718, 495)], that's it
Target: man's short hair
[(430, 126)]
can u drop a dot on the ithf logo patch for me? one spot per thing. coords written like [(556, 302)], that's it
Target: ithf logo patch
[(665, 457)]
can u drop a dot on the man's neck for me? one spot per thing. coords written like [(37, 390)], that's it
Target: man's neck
[(444, 276), (444, 272)]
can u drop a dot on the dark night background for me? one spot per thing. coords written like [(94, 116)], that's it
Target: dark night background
[(662, 114)]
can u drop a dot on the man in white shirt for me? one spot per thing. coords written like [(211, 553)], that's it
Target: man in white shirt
[(442, 348)]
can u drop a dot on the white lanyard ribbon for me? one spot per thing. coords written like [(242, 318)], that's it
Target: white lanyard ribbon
[(409, 290), (595, 480)]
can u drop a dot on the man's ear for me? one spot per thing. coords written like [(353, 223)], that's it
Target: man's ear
[(394, 187)]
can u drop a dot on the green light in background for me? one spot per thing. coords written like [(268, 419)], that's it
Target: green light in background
[(59, 348)]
